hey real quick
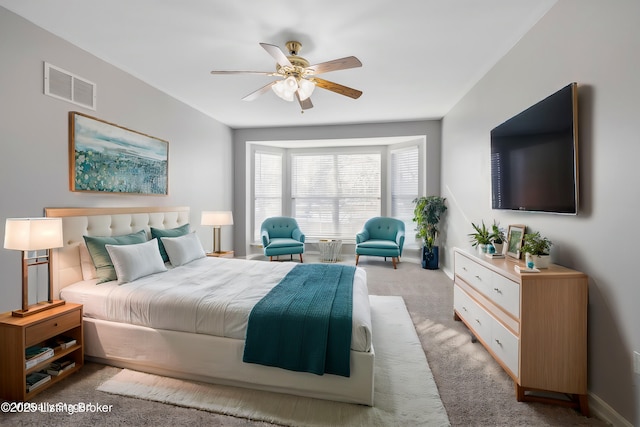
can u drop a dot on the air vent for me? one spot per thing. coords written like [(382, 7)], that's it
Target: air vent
[(62, 84)]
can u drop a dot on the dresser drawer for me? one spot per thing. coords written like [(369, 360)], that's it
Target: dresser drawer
[(505, 293), (472, 273), (505, 345), (474, 315), (462, 303), (51, 327)]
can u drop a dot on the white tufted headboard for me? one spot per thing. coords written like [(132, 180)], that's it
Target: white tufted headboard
[(77, 222)]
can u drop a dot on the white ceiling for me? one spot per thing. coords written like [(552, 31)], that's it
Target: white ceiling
[(419, 56)]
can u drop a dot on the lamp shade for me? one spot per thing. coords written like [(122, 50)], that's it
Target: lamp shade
[(33, 234), (305, 89), (216, 218), (286, 88)]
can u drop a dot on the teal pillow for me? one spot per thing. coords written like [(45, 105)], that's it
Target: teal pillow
[(105, 272), (158, 233)]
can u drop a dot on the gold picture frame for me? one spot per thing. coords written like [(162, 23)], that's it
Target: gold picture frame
[(107, 158), (515, 236)]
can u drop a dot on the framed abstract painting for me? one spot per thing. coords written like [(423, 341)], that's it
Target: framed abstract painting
[(107, 158)]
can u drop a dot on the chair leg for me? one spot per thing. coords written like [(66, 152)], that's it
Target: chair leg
[(357, 258), (393, 260), (271, 258), (301, 258)]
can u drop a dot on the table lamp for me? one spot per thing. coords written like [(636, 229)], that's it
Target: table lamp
[(31, 236), (216, 219)]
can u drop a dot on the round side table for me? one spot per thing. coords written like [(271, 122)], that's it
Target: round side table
[(330, 250)]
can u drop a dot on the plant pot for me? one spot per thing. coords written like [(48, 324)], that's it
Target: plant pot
[(499, 247), (542, 261), (482, 248), (539, 261), (430, 258)]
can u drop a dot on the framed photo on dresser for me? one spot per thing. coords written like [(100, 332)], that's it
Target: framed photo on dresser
[(514, 240)]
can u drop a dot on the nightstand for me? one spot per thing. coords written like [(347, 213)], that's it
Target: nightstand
[(19, 333), (223, 254)]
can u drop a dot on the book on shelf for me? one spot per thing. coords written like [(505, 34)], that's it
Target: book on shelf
[(63, 342), (59, 366), (37, 354), (36, 379)]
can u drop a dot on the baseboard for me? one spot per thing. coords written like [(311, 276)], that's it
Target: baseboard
[(602, 411), (448, 272)]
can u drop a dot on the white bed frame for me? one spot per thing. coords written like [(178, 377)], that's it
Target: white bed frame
[(180, 354)]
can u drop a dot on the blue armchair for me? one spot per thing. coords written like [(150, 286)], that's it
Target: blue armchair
[(281, 236), (381, 236)]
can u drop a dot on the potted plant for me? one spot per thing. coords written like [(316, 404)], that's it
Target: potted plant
[(536, 248), (481, 237), (497, 237), (426, 215)]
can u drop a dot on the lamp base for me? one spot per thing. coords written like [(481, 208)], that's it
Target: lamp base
[(37, 308), (221, 254)]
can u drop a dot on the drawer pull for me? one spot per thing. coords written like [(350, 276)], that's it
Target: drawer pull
[(464, 268), (465, 308), (478, 321), (479, 278), (498, 342), (497, 290), (55, 324)]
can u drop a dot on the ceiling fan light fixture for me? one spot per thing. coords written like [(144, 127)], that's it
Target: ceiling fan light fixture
[(297, 79), (305, 89), (286, 88)]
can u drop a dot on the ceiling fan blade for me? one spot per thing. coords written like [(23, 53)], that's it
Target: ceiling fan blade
[(337, 88), (306, 104), (336, 64), (253, 95), (277, 54), (263, 73)]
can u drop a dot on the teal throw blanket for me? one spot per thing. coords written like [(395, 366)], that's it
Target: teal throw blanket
[(304, 323)]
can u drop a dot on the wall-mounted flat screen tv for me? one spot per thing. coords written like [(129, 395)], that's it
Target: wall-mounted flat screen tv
[(534, 157)]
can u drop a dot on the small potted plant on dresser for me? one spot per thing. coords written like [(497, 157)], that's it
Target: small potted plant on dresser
[(497, 237), (481, 237), (426, 215), (536, 249)]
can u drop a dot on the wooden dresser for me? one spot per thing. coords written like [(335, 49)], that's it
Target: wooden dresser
[(533, 324)]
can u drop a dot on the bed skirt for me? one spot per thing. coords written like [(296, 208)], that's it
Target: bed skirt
[(218, 360)]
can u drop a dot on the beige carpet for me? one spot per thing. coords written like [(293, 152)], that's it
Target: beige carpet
[(405, 393)]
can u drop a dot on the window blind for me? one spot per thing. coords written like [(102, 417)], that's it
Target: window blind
[(332, 195), (267, 188), (404, 184)]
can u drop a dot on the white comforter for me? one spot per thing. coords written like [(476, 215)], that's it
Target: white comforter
[(211, 296)]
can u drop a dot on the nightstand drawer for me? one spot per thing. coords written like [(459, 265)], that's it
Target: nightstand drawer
[(34, 334)]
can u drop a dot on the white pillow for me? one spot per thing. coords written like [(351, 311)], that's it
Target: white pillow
[(134, 261), (183, 249), (88, 269)]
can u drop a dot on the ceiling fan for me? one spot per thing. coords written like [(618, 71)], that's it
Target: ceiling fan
[(298, 78)]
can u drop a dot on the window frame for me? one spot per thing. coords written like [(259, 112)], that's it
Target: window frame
[(384, 149)]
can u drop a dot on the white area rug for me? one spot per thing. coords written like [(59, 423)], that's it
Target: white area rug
[(405, 393)]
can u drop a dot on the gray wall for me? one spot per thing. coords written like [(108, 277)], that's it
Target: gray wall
[(596, 44), (429, 128), (34, 139)]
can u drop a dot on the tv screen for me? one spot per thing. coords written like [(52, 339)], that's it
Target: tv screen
[(534, 157)]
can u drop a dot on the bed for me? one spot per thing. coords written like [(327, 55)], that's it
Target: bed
[(118, 335)]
